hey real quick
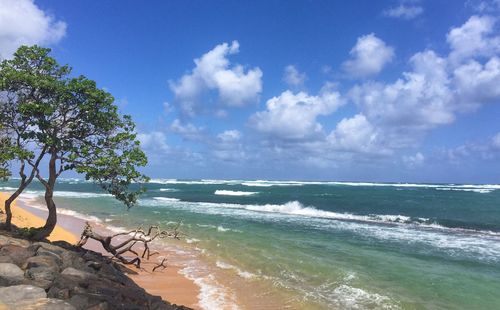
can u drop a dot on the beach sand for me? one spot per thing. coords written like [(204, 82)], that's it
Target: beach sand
[(167, 283)]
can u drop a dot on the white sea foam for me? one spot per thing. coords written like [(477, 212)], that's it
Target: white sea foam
[(239, 272), (65, 194), (166, 199), (192, 182), (212, 294), (192, 240), (233, 193), (348, 297), (476, 190), (168, 190)]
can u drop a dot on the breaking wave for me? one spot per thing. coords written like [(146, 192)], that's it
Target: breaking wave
[(233, 193)]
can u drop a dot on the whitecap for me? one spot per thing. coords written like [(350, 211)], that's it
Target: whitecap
[(234, 193)]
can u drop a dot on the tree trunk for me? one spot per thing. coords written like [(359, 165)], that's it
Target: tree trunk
[(8, 203), (51, 221)]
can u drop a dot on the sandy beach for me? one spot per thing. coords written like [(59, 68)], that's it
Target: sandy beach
[(167, 283)]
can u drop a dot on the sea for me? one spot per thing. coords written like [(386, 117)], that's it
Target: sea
[(259, 244)]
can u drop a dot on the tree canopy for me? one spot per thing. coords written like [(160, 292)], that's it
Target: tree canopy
[(50, 116)]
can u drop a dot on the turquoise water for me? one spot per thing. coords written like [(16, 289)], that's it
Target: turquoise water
[(328, 244)]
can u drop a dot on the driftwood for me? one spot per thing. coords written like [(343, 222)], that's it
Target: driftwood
[(134, 237)]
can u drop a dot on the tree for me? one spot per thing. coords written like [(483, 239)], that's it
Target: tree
[(65, 123)]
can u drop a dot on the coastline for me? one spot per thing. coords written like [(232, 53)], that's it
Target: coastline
[(170, 284)]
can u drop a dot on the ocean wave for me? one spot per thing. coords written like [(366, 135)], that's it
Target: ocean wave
[(167, 199), (476, 190), (295, 208), (193, 182), (233, 193), (168, 190), (71, 213), (64, 194), (239, 272)]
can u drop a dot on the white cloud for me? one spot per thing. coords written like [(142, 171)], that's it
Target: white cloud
[(477, 84), (404, 11), (188, 131), (368, 56), (495, 141), (473, 39), (293, 115), (229, 136), (293, 77), (356, 134), (23, 23), (213, 72), (153, 141), (419, 101), (414, 161)]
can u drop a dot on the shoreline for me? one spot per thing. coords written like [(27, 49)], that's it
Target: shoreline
[(170, 284)]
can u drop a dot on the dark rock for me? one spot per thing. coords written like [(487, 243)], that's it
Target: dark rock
[(18, 293), (10, 274), (94, 265)]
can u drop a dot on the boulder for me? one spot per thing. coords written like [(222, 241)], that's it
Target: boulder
[(44, 304), (17, 253), (18, 293), (41, 276), (42, 261), (83, 275), (10, 274)]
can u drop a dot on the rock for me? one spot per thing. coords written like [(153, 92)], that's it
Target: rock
[(18, 293), (17, 253), (42, 251), (94, 265), (6, 259), (41, 261), (41, 276), (10, 274), (101, 306), (70, 271), (44, 304)]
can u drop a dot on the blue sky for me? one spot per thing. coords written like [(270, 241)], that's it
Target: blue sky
[(359, 90)]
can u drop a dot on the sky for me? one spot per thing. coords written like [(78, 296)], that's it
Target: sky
[(400, 90)]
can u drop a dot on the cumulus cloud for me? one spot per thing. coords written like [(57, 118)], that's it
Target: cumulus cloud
[(477, 83), (357, 135), (235, 86), (292, 116), (404, 11), (22, 22), (368, 56), (293, 77), (475, 38), (436, 88)]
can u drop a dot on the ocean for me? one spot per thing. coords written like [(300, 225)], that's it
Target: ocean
[(317, 245)]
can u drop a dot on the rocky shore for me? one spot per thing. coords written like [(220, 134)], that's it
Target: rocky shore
[(57, 275)]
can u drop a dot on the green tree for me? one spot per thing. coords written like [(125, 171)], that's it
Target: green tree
[(66, 123)]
